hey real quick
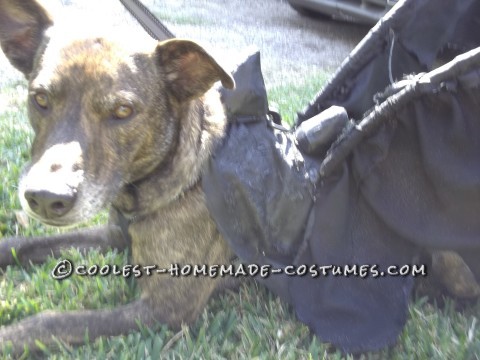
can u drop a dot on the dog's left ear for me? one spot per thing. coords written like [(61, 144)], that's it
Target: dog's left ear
[(190, 70), (22, 25)]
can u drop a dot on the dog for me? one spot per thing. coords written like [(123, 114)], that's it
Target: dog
[(124, 126)]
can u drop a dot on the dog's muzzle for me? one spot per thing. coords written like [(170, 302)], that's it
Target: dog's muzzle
[(49, 189), (50, 204)]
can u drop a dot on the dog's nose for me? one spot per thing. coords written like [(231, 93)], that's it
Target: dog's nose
[(49, 205)]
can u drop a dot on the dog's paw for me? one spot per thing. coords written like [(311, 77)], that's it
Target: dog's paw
[(455, 275)]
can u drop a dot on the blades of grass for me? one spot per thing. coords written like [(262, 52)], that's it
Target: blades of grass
[(42, 347), (173, 340), (157, 347)]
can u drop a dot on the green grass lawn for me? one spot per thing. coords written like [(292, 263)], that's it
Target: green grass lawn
[(249, 324)]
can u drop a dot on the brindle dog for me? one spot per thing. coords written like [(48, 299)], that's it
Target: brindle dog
[(121, 125), (128, 127)]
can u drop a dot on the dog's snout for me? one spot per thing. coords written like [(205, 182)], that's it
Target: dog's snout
[(55, 167), (49, 205)]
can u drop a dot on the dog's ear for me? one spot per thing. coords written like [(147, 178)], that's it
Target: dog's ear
[(190, 70), (22, 25)]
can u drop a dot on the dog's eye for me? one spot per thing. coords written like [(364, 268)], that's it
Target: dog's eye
[(123, 112), (41, 99)]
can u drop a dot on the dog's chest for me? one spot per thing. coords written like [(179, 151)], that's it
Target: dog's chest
[(181, 233)]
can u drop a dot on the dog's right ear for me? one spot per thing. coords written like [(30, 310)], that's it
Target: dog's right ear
[(22, 25), (190, 70)]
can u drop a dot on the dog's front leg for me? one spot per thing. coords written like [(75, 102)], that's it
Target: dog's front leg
[(37, 249), (72, 326)]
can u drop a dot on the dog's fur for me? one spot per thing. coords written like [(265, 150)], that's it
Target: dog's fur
[(120, 127)]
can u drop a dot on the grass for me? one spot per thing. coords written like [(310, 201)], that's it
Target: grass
[(250, 324), (180, 19), (298, 95)]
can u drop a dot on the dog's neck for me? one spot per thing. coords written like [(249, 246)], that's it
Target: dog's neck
[(201, 128)]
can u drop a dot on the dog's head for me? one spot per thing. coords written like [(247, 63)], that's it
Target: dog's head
[(104, 116)]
